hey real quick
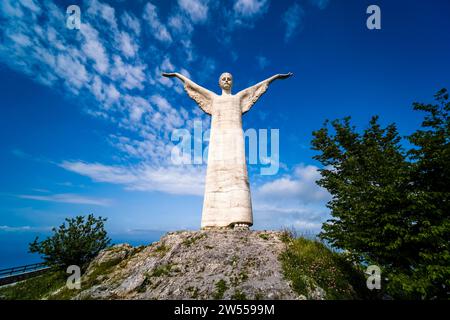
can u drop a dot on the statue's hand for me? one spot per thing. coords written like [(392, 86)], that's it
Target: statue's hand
[(169, 74), (285, 75)]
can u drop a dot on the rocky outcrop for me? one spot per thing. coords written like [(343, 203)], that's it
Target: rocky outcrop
[(207, 264)]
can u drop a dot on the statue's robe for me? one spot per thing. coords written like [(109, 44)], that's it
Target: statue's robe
[(227, 199)]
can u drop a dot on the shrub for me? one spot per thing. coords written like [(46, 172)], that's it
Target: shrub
[(76, 243)]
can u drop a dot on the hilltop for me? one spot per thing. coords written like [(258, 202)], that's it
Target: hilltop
[(210, 264)]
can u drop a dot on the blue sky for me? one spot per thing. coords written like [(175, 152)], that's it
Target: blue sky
[(86, 119)]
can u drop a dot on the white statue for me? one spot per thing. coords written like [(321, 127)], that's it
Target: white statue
[(227, 201)]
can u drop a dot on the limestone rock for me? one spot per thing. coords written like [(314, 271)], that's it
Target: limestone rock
[(207, 264)]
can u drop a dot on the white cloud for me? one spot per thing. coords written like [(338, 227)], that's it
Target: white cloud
[(180, 24), (94, 49), (185, 73), (293, 200), (31, 4), (128, 46), (68, 198), (242, 14), (131, 22), (72, 71), (293, 19), (21, 39), (103, 64), (189, 50), (300, 185), (158, 29), (196, 9), (263, 62), (305, 218), (187, 180), (103, 11), (14, 229), (166, 66), (161, 102), (112, 93), (173, 118), (130, 76), (136, 107), (106, 94), (6, 228), (249, 8), (321, 4)]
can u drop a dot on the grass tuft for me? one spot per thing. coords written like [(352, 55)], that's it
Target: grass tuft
[(190, 241), (34, 288), (308, 263), (221, 287)]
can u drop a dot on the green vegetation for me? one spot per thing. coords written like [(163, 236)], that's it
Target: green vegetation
[(288, 234), (99, 271), (234, 260), (52, 284), (163, 270), (143, 286), (391, 207), (96, 276), (258, 296), (193, 291), (162, 249), (190, 241), (241, 277), (264, 236), (75, 244), (34, 288), (221, 287), (308, 264), (238, 295)]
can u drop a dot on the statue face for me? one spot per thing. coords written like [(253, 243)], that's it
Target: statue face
[(226, 81)]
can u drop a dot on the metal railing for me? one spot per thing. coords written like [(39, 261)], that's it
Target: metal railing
[(22, 269)]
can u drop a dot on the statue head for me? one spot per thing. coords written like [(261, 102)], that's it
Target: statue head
[(226, 81)]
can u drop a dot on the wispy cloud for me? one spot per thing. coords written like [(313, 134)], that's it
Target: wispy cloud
[(131, 22), (197, 10), (103, 11), (301, 185), (293, 200), (185, 180), (6, 228), (41, 190), (250, 8), (68, 198), (293, 19), (157, 28), (20, 154), (107, 64), (14, 229), (321, 4), (103, 63), (262, 61)]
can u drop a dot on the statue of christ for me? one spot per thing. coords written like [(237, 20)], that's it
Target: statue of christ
[(227, 201)]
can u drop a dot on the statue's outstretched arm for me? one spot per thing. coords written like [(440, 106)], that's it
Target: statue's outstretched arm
[(202, 96), (249, 96), (278, 76)]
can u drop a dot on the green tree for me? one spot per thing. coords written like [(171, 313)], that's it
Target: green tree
[(75, 244), (390, 206), (430, 178)]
